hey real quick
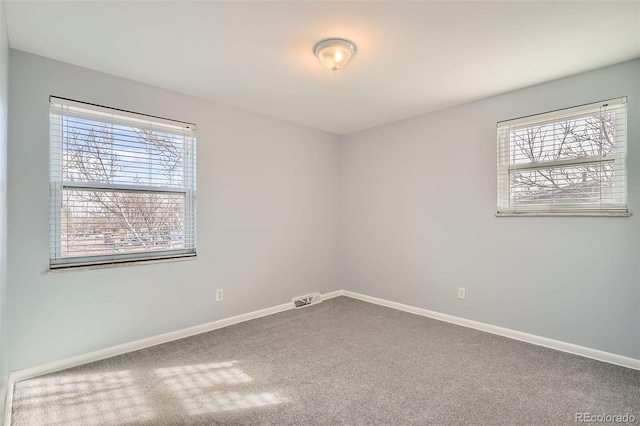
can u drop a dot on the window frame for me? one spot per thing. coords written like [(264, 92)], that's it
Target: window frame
[(57, 185), (618, 159)]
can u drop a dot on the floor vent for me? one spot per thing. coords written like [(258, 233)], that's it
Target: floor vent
[(311, 299)]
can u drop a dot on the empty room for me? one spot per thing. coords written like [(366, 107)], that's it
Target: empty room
[(319, 212)]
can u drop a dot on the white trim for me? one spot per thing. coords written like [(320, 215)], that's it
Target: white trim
[(93, 266), (8, 402), (136, 345), (83, 109), (74, 361), (71, 185), (593, 159), (332, 294), (576, 111), (574, 213), (505, 332), (27, 373)]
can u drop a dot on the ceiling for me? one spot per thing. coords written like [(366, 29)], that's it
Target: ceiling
[(413, 57)]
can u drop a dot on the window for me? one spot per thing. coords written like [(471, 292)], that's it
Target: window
[(122, 186), (566, 162)]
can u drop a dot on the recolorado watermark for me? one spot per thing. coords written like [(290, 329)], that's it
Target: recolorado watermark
[(604, 418)]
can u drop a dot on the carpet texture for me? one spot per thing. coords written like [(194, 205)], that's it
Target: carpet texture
[(341, 362)]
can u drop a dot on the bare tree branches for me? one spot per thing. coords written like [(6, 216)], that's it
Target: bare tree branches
[(144, 158), (585, 137)]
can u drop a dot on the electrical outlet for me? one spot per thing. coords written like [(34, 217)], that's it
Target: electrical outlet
[(219, 295), (461, 293)]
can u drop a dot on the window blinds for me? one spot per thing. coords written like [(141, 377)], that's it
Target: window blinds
[(571, 161), (122, 186)]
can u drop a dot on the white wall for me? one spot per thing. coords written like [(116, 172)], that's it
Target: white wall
[(4, 80), (417, 222), (267, 221), (410, 206)]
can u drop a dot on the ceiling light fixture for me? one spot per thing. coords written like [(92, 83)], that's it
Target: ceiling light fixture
[(334, 53)]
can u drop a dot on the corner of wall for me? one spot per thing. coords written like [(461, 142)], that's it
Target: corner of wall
[(4, 59)]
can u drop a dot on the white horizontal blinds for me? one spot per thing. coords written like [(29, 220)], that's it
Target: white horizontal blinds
[(572, 160), (122, 185)]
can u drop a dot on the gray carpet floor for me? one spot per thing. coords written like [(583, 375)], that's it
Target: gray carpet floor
[(341, 362)]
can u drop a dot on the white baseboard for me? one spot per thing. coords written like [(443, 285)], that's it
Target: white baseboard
[(506, 332), (74, 361), (151, 341), (332, 294), (8, 402), (16, 376)]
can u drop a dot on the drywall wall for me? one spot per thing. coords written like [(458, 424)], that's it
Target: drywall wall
[(410, 205), (4, 96), (418, 200), (266, 217)]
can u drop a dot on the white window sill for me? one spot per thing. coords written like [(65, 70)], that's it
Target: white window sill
[(567, 214), (118, 264)]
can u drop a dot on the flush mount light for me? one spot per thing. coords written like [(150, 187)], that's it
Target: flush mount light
[(334, 53)]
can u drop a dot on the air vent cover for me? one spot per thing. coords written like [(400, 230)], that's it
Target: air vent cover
[(303, 301)]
